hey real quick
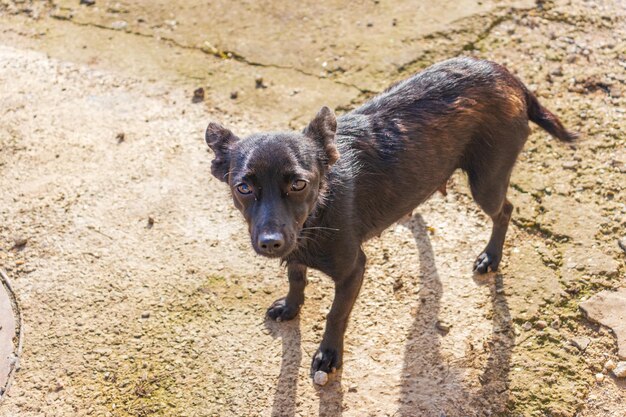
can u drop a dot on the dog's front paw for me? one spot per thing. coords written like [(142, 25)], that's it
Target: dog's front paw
[(326, 360), (281, 310), (486, 262)]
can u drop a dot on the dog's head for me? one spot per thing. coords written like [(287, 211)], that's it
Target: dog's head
[(275, 178)]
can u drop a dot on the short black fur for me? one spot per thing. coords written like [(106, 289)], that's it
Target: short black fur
[(312, 198)]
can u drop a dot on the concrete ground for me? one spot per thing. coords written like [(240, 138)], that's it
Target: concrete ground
[(140, 292)]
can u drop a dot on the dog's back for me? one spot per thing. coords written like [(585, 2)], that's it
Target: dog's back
[(405, 143)]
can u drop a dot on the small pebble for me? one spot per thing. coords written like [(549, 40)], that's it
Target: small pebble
[(258, 82), (19, 242), (198, 95), (570, 165), (120, 137), (615, 92), (622, 244), (442, 326), (234, 95), (599, 377), (150, 222), (620, 370), (145, 315), (57, 387), (527, 326), (557, 72), (88, 2), (541, 324), (609, 365), (581, 343), (320, 378), (119, 25)]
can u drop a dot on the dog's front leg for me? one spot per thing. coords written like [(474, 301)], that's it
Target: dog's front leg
[(287, 308), (329, 355)]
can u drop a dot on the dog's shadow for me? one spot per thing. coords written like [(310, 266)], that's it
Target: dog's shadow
[(287, 385), (284, 405), (427, 378)]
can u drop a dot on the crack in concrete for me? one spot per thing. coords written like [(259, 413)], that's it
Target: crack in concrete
[(536, 228), (498, 16), (211, 50)]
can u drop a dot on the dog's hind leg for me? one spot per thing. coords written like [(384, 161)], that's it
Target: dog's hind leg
[(489, 171), (490, 258), (287, 308)]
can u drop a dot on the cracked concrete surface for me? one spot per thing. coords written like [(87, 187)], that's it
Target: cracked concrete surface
[(126, 320), (609, 309)]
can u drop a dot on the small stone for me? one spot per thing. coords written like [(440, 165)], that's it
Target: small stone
[(320, 378), (622, 244), (258, 82), (541, 324), (352, 388), (556, 324), (609, 365), (19, 242), (599, 377), (570, 165), (120, 137), (198, 95), (88, 2), (145, 315), (620, 370), (150, 222), (443, 326), (581, 343), (527, 326), (57, 387), (234, 95), (558, 72), (615, 92), (119, 25)]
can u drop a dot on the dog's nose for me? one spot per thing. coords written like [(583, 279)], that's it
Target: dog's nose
[(270, 242)]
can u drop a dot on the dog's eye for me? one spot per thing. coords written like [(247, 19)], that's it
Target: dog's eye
[(298, 185), (244, 188)]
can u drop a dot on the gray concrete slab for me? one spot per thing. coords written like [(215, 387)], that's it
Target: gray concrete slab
[(9, 334)]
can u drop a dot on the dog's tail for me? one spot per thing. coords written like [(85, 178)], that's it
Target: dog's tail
[(547, 120)]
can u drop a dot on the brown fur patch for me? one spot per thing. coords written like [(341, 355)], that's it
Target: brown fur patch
[(514, 102)]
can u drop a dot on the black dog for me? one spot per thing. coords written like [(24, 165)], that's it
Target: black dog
[(312, 198)]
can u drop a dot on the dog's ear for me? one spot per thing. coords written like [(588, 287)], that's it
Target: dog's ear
[(220, 141), (322, 129)]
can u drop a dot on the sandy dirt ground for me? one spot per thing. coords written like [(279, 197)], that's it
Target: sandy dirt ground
[(140, 293)]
